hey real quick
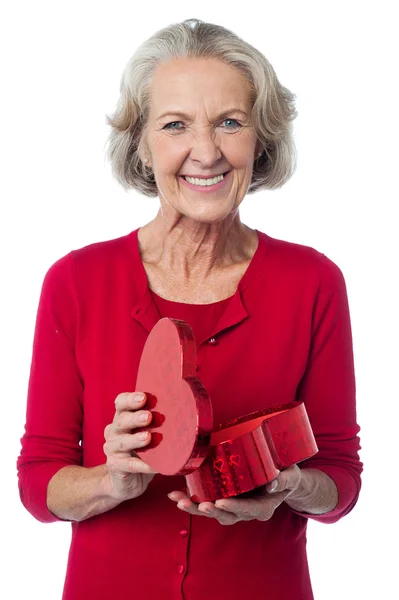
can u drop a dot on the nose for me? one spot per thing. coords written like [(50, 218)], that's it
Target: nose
[(205, 150)]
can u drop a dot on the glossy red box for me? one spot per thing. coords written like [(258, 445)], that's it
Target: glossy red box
[(241, 455)]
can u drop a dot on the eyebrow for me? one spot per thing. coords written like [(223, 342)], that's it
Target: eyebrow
[(182, 115)]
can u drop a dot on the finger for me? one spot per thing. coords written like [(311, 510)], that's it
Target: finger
[(131, 464), (228, 520), (245, 510), (127, 420), (126, 442), (129, 401), (224, 517), (177, 495), (287, 480), (205, 509), (184, 503), (261, 508)]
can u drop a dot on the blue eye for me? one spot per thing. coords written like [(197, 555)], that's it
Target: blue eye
[(231, 123), (174, 125)]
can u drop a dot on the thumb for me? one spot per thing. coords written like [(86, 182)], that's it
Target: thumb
[(272, 486), (286, 480)]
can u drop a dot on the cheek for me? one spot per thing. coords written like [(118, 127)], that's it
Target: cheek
[(167, 156), (239, 153)]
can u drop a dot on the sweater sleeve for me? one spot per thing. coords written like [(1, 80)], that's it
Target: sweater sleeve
[(54, 414), (329, 392)]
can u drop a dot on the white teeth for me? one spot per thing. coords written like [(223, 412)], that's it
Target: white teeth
[(204, 182)]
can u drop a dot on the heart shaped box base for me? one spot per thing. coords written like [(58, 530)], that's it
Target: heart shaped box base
[(237, 458)]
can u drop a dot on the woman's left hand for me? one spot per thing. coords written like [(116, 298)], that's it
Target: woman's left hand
[(260, 506)]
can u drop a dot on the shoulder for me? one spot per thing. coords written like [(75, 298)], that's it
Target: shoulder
[(91, 262), (301, 262), (101, 252)]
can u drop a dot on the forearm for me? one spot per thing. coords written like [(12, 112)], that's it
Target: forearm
[(76, 493), (316, 494)]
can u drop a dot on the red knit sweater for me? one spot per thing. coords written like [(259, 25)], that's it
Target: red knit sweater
[(284, 335)]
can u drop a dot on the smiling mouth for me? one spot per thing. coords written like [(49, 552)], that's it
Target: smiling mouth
[(204, 182)]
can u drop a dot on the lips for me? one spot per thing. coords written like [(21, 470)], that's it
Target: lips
[(204, 176)]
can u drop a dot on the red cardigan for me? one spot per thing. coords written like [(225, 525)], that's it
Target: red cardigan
[(284, 335)]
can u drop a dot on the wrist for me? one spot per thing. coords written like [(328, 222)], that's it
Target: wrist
[(108, 491), (302, 488), (316, 493)]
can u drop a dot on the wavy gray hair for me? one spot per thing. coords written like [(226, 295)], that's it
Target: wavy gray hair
[(272, 113)]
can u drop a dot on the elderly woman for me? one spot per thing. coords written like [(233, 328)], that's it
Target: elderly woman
[(202, 121)]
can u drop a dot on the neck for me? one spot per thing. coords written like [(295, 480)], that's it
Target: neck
[(192, 250)]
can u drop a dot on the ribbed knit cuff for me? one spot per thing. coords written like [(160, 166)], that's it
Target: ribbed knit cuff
[(348, 493), (33, 483)]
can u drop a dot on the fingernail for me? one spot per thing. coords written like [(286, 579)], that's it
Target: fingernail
[(144, 417), (138, 397), (273, 486), (143, 435)]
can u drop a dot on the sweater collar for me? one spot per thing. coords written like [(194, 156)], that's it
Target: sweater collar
[(146, 312)]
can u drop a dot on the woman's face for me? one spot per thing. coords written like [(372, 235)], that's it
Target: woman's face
[(200, 141)]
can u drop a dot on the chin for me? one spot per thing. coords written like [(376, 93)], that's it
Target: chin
[(208, 214), (206, 210)]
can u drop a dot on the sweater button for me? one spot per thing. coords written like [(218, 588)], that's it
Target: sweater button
[(212, 340), (184, 532), (180, 568)]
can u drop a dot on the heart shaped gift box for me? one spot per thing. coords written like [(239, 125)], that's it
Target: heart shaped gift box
[(232, 459)]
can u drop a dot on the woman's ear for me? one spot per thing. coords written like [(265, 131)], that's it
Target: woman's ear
[(258, 150), (144, 153)]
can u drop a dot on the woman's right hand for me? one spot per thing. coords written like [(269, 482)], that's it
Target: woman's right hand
[(128, 476)]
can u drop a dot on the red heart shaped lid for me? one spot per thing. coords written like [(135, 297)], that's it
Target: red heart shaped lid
[(181, 408)]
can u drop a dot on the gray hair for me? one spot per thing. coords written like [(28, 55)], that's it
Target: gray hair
[(272, 114)]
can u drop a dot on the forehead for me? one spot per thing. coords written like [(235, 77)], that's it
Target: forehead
[(186, 83)]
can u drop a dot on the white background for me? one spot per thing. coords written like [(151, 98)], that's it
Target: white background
[(60, 72)]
